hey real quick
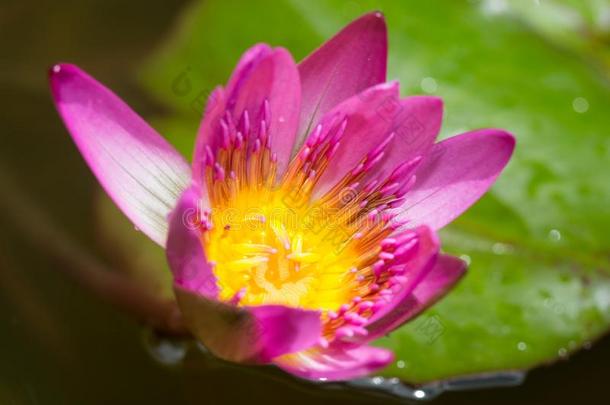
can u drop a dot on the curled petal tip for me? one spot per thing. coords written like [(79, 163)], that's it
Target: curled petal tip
[(373, 15), (508, 138), (55, 69), (61, 70)]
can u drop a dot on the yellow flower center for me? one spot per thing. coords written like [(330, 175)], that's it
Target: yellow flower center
[(270, 242)]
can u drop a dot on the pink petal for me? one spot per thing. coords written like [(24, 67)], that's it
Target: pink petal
[(141, 172), (446, 272), (342, 67), (457, 172), (248, 334), (264, 77), (373, 116), (248, 61), (335, 364), (209, 130), (275, 79), (184, 250)]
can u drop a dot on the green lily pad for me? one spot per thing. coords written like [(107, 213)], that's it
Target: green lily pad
[(539, 280)]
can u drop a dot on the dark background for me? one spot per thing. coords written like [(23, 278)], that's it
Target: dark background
[(59, 344)]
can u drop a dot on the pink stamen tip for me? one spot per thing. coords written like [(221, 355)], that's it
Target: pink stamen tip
[(378, 305), (405, 168), (343, 332), (365, 305), (406, 187), (306, 167), (387, 216), (359, 330), (386, 256), (343, 309), (226, 138), (239, 140), (246, 122), (396, 203), (398, 224), (369, 187), (315, 136), (219, 173), (332, 315), (355, 319), (305, 153), (238, 296), (390, 188), (381, 146), (406, 248), (262, 132), (373, 214), (257, 146), (378, 267), (405, 237), (364, 203), (358, 169), (358, 235), (209, 156), (323, 342), (397, 270), (333, 151), (370, 163), (274, 157), (400, 280), (266, 111), (388, 242)]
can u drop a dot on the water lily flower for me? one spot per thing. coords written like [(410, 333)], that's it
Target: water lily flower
[(305, 227)]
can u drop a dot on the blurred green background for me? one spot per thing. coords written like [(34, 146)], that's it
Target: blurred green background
[(538, 289)]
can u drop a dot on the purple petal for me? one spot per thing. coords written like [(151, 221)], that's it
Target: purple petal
[(248, 334), (350, 62), (184, 250), (335, 364), (456, 173), (143, 174), (446, 272)]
